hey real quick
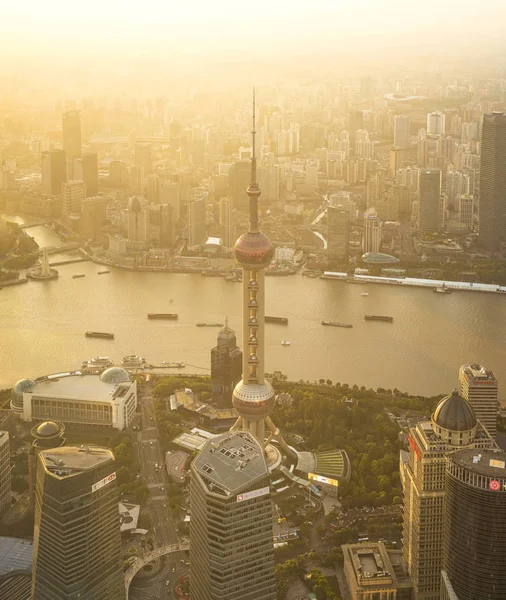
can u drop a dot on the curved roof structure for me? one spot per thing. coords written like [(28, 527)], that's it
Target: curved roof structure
[(378, 258), (454, 413), (115, 375), (48, 428), (22, 386)]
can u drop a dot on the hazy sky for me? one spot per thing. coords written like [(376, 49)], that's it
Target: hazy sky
[(195, 25)]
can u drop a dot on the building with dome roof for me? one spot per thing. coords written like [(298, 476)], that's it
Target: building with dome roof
[(108, 400), (46, 435), (453, 427), (22, 386), (226, 366)]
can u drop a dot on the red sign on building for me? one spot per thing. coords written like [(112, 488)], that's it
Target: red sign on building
[(412, 443)]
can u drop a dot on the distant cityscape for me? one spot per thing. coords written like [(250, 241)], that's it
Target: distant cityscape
[(142, 481)]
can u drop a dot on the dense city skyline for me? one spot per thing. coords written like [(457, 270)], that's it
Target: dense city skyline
[(334, 427)]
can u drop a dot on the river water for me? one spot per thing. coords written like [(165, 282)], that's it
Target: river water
[(42, 326)]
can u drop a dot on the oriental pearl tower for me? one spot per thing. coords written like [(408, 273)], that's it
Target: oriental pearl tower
[(254, 397)]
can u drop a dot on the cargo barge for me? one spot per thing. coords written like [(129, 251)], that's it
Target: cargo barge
[(282, 320), (378, 318), (170, 316), (335, 324), (100, 334)]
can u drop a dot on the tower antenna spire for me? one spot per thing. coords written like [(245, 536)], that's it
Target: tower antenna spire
[(253, 135), (253, 188)]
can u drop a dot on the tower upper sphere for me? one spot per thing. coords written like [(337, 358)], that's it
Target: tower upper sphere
[(254, 251)]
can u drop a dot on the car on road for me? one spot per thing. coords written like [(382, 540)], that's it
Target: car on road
[(167, 582)]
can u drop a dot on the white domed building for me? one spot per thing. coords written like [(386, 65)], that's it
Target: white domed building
[(105, 401)]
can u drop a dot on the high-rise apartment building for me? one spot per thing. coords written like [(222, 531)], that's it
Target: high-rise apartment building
[(474, 526), (422, 152), (372, 231), (429, 187), (169, 193), (118, 173), (238, 179), (153, 188), (401, 131), (161, 219), (5, 472), (197, 223), (92, 216), (227, 230), (479, 387), (85, 168), (71, 134), (54, 172), (142, 157), (453, 426), (493, 182), (77, 545), (466, 210), (396, 158), (231, 537), (355, 122), (226, 366), (136, 180), (338, 233), (435, 123), (73, 193)]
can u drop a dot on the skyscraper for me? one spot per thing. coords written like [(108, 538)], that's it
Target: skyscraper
[(396, 158), (48, 434), (226, 366), (479, 387), (453, 426), (118, 173), (355, 122), (338, 233), (232, 555), (372, 231), (153, 188), (428, 207), (73, 192), (169, 193), (138, 220), (71, 126), (5, 472), (401, 131), (85, 168), (254, 396), (196, 223), (54, 172), (435, 123), (136, 180), (77, 545), (226, 224), (493, 182), (92, 216), (238, 179), (474, 526), (143, 157), (466, 210)]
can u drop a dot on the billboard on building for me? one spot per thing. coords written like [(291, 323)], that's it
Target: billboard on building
[(321, 479), (253, 494), (102, 482)]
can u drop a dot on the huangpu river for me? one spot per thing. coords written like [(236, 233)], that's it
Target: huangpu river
[(42, 325)]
